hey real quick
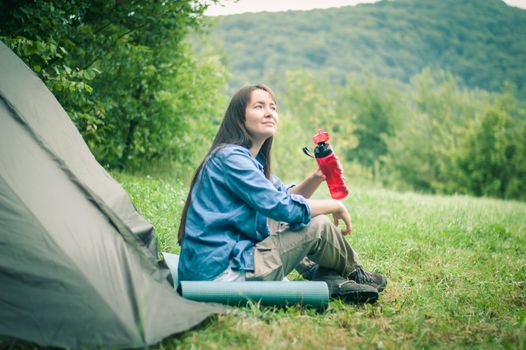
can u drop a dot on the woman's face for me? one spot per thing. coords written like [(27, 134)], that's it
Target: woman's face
[(261, 116)]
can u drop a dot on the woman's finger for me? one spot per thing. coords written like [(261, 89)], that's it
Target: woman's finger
[(348, 225)]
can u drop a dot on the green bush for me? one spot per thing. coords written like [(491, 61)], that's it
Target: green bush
[(432, 135), (491, 161), (123, 72)]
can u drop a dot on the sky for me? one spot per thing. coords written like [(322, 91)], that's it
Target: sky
[(232, 7)]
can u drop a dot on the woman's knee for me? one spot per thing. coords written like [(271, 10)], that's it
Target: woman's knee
[(321, 226)]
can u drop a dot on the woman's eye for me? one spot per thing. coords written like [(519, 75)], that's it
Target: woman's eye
[(257, 106)]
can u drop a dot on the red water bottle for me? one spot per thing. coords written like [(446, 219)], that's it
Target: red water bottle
[(329, 165)]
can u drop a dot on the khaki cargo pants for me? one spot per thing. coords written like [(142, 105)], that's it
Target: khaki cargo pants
[(320, 242)]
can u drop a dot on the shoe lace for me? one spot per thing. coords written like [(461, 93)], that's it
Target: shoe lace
[(362, 276)]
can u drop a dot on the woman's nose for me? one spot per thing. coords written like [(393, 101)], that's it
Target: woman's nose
[(269, 111)]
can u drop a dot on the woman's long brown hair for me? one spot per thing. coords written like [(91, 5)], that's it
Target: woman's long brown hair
[(232, 131)]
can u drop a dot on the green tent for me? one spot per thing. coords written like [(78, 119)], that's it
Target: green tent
[(78, 264)]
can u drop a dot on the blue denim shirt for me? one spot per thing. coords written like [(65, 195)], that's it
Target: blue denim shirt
[(230, 203)]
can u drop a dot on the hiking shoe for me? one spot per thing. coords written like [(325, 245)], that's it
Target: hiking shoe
[(372, 279), (341, 288)]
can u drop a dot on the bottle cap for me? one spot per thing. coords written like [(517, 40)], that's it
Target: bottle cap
[(320, 137)]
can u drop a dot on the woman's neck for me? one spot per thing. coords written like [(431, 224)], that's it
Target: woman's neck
[(256, 147)]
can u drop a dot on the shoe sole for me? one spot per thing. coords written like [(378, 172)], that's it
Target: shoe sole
[(359, 297), (378, 288)]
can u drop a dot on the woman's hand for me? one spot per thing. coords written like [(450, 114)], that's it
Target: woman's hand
[(334, 207), (343, 214), (318, 175)]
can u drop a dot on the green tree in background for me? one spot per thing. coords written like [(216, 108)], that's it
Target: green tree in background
[(453, 140), (372, 103), (491, 160), (434, 135), (122, 70), (309, 103), (306, 99), (435, 114)]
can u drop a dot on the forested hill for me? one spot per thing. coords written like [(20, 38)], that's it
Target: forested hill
[(481, 41)]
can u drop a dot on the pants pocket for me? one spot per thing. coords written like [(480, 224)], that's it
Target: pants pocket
[(267, 262)]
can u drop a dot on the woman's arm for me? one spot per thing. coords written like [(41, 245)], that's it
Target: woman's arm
[(334, 207), (308, 186)]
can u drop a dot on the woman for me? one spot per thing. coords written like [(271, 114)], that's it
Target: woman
[(240, 222)]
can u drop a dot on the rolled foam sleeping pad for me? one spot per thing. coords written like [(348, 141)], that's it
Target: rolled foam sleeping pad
[(311, 294)]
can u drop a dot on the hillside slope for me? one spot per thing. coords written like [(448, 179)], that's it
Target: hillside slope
[(481, 41)]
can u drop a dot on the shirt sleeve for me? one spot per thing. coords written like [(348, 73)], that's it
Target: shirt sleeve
[(280, 186), (244, 178)]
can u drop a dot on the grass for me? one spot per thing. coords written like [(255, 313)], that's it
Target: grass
[(456, 267)]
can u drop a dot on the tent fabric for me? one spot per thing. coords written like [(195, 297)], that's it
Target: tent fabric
[(78, 264)]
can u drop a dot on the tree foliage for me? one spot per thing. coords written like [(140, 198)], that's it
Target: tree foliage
[(482, 42), (423, 95), (138, 92), (434, 119), (434, 135), (491, 159), (307, 107), (122, 70), (453, 140), (374, 114)]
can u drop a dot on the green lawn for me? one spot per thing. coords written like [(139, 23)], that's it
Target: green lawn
[(456, 268)]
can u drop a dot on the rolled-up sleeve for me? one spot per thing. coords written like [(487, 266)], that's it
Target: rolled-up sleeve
[(280, 186), (244, 178)]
